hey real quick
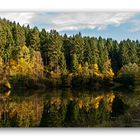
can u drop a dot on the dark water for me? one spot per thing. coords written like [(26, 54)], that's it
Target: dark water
[(67, 108)]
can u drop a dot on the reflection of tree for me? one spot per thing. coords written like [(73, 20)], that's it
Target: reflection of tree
[(59, 109), (72, 112), (77, 111), (54, 113), (21, 112), (118, 107)]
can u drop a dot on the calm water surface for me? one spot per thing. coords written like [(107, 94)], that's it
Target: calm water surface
[(67, 108)]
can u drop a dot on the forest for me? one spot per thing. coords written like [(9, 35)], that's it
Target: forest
[(33, 58)]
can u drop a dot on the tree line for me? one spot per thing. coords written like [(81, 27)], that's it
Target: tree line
[(29, 56)]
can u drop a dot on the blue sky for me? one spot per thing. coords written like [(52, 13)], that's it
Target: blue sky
[(116, 25)]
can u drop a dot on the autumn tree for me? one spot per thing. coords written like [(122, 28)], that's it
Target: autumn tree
[(37, 67)]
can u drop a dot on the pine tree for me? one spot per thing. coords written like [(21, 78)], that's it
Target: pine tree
[(6, 41), (78, 47), (18, 35), (54, 50), (124, 52), (43, 45), (74, 64), (34, 40), (103, 54), (67, 45)]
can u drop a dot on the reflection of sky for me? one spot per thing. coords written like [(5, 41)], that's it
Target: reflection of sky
[(116, 25)]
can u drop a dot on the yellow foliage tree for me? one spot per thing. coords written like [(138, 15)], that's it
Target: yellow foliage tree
[(108, 73), (27, 65), (95, 70), (20, 68), (1, 69), (79, 69), (37, 67), (4, 74)]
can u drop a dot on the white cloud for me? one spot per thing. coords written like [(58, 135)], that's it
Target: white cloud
[(21, 17), (136, 25), (70, 20), (84, 20)]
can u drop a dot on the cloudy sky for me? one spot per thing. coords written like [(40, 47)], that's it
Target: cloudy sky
[(117, 25)]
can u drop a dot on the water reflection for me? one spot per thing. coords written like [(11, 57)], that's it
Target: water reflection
[(66, 108)]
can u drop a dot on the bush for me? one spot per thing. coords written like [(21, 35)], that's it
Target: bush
[(126, 79), (128, 74)]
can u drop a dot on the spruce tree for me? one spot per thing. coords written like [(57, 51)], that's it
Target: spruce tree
[(34, 40)]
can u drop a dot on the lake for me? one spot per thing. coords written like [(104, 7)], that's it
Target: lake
[(69, 108)]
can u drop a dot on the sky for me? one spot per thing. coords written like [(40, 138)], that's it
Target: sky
[(116, 25)]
